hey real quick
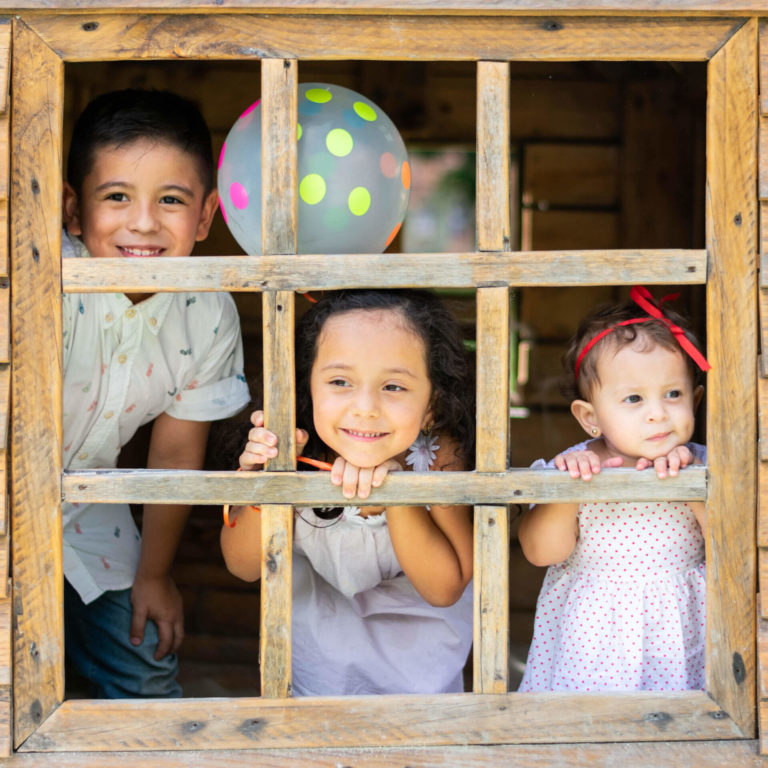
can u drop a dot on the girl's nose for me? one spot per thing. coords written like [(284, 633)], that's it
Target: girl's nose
[(366, 403)]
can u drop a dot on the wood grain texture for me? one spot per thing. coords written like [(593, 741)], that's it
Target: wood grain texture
[(381, 721), (279, 153), (390, 270), (312, 489), (492, 214), (389, 36), (732, 345), (707, 754), (36, 380)]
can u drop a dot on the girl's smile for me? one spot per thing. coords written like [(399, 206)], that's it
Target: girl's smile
[(370, 387)]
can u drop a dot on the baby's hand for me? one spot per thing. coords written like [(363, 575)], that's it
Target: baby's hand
[(359, 480), (584, 464), (262, 444), (672, 463)]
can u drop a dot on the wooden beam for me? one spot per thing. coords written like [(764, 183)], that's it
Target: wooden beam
[(387, 36), (312, 489), (732, 351), (389, 270), (381, 721)]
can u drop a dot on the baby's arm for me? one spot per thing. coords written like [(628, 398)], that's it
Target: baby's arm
[(241, 544), (548, 532), (175, 444), (434, 547)]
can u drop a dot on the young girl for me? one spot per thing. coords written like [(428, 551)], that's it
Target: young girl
[(622, 606), (381, 598)]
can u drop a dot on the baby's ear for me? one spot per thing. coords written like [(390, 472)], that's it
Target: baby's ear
[(698, 393), (71, 210), (584, 413)]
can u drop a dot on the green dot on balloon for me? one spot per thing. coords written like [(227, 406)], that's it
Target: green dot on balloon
[(364, 111), (299, 131), (339, 142), (318, 95), (359, 201), (312, 188)]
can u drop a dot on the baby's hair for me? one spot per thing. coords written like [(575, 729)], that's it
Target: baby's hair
[(448, 368), (119, 118), (651, 332)]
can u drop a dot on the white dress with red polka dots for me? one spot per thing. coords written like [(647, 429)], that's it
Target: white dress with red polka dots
[(626, 611)]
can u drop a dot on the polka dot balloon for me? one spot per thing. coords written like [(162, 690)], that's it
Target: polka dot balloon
[(353, 174)]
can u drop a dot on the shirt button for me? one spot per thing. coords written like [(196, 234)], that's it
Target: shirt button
[(122, 359), (130, 312), (108, 317), (153, 321), (82, 456), (108, 415)]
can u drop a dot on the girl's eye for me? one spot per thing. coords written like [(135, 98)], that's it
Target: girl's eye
[(632, 399), (393, 388), (338, 383)]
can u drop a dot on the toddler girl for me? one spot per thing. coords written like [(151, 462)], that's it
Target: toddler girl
[(381, 598), (622, 606)]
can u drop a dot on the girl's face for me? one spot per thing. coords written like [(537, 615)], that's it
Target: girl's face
[(370, 388), (644, 403)]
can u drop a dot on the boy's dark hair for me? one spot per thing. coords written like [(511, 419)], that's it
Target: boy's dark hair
[(448, 368), (652, 331), (119, 118)]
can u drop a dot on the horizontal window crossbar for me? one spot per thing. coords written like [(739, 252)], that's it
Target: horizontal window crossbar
[(315, 489)]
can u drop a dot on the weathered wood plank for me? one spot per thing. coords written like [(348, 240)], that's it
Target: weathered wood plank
[(390, 270), (5, 62), (762, 490), (5, 318), (313, 489), (38, 86), (279, 153), (381, 721), (762, 420), (492, 212), (6, 672), (385, 36), (731, 308)]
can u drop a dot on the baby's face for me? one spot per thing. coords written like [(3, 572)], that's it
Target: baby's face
[(645, 402), (370, 387), (140, 200)]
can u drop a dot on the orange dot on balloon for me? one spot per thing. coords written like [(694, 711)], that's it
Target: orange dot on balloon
[(392, 234), (406, 175)]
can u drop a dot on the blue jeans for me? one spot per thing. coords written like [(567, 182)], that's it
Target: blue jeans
[(97, 643)]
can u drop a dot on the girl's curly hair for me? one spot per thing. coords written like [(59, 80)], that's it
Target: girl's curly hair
[(448, 364)]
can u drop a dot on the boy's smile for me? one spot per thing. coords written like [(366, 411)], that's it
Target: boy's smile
[(370, 387), (140, 200)]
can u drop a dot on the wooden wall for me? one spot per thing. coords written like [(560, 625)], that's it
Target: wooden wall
[(611, 155)]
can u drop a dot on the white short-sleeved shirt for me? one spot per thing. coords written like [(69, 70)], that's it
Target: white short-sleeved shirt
[(124, 364)]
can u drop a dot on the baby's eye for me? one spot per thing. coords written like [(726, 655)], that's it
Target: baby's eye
[(632, 399), (673, 394)]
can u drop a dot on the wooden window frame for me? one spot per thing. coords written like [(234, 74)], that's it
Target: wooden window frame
[(41, 721)]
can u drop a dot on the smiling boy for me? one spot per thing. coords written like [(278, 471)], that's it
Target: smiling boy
[(139, 185)]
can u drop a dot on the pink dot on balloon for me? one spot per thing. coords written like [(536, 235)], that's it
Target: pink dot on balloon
[(223, 212), (247, 116), (388, 165), (238, 195), (222, 153)]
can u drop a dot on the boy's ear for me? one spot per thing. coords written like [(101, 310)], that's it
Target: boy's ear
[(71, 210), (698, 393), (585, 414), (206, 214)]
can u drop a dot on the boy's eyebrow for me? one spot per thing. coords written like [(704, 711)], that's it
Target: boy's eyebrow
[(166, 188)]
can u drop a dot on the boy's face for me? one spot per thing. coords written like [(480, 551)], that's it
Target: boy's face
[(139, 200)]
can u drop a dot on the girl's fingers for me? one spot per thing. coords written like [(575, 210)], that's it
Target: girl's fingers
[(349, 480), (364, 481)]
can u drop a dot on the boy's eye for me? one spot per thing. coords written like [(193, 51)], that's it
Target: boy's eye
[(171, 200), (119, 197), (632, 399)]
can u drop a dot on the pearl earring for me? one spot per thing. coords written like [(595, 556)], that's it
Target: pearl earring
[(595, 431)]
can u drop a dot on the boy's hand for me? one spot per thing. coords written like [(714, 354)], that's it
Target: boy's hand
[(584, 464), (359, 480), (157, 599), (262, 444), (671, 464)]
